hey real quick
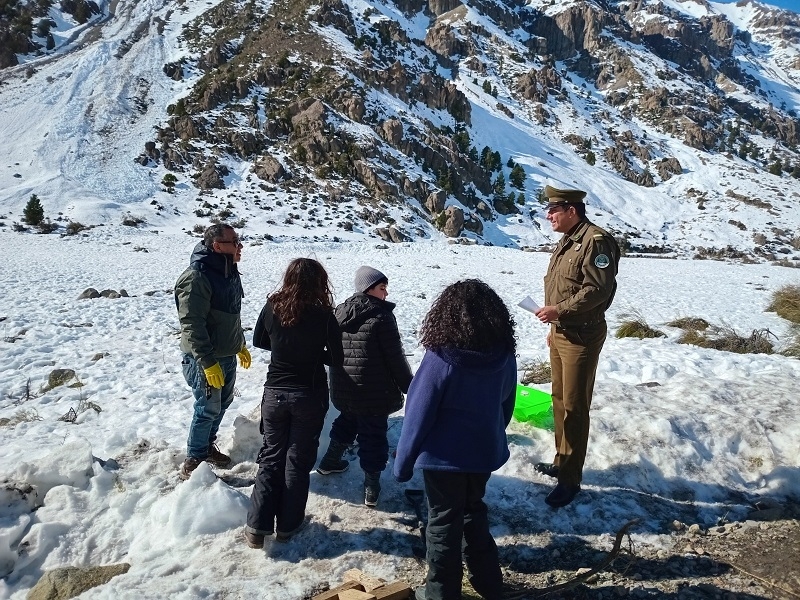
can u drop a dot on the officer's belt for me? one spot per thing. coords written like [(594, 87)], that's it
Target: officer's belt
[(570, 326)]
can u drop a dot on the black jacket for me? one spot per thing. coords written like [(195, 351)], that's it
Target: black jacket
[(376, 373), (299, 353)]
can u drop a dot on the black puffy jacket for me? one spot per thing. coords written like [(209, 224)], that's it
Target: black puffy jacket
[(376, 373)]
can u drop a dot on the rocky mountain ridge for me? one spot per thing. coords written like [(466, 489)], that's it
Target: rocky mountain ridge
[(425, 118)]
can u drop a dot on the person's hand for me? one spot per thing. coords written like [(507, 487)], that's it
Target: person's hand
[(547, 314), (547, 339), (214, 376), (244, 357)]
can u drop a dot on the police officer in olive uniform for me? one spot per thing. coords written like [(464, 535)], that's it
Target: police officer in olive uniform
[(578, 288)]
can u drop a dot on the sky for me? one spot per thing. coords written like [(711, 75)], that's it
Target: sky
[(678, 432)]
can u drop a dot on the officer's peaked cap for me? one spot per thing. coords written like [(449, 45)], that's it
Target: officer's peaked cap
[(557, 197)]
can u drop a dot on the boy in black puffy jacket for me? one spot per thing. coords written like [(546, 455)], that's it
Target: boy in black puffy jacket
[(370, 385)]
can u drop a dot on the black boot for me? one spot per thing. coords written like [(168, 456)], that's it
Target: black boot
[(372, 488), (333, 462)]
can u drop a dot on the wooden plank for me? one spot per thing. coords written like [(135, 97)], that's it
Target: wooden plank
[(333, 593), (397, 590), (368, 581), (355, 594)]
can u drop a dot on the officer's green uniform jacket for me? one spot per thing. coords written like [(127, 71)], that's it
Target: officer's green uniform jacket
[(581, 279), (208, 296)]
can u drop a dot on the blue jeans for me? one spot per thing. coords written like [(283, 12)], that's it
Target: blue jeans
[(291, 421), (210, 403)]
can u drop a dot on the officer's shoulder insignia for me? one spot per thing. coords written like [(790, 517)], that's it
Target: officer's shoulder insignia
[(601, 261), (598, 236)]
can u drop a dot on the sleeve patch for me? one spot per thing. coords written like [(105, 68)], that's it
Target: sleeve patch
[(601, 261)]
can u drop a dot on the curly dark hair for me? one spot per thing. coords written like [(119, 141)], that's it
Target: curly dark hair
[(469, 315), (305, 285)]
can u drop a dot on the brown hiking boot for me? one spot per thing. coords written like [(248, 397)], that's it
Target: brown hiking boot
[(217, 458), (189, 465), (253, 540)]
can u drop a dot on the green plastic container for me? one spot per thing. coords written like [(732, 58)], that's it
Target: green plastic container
[(534, 406)]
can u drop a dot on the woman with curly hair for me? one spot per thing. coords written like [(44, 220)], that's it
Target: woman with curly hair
[(298, 326), (458, 406)]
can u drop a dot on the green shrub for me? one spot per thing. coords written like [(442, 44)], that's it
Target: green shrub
[(786, 302), (75, 227), (536, 371), (47, 226)]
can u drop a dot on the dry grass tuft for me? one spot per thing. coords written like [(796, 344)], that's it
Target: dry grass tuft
[(637, 327), (792, 348), (536, 371), (689, 324), (786, 302), (728, 340), (25, 415)]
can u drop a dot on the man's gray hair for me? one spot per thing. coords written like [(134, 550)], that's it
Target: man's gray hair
[(214, 233)]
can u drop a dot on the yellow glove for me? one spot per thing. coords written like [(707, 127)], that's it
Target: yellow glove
[(214, 376), (244, 357)]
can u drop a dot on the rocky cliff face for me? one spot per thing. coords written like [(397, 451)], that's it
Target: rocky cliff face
[(277, 91)]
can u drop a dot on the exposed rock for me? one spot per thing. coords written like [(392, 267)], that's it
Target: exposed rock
[(392, 131), (59, 377), (336, 14), (269, 169), (68, 582), (367, 175), (210, 177), (454, 221), (354, 108), (185, 128), (472, 223), (535, 83), (212, 59), (174, 70), (392, 234), (435, 201), (444, 41), (89, 293), (439, 7), (667, 167)]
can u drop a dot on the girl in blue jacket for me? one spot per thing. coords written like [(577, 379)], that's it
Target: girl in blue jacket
[(458, 406)]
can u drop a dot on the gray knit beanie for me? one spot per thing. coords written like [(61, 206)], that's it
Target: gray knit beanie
[(366, 277)]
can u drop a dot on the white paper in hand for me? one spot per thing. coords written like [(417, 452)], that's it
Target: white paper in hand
[(529, 304)]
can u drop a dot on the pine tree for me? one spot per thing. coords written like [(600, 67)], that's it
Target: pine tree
[(168, 181), (33, 214), (517, 177)]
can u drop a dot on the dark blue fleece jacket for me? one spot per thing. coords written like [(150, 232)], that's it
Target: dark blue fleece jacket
[(457, 409)]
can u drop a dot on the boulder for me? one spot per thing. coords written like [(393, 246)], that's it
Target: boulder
[(68, 582), (454, 221)]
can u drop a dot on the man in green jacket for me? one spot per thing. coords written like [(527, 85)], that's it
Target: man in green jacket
[(578, 288), (208, 295)]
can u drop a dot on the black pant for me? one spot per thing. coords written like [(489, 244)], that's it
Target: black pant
[(458, 523), (291, 421), (373, 447)]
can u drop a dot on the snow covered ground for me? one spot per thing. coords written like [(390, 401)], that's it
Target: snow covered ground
[(716, 433)]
